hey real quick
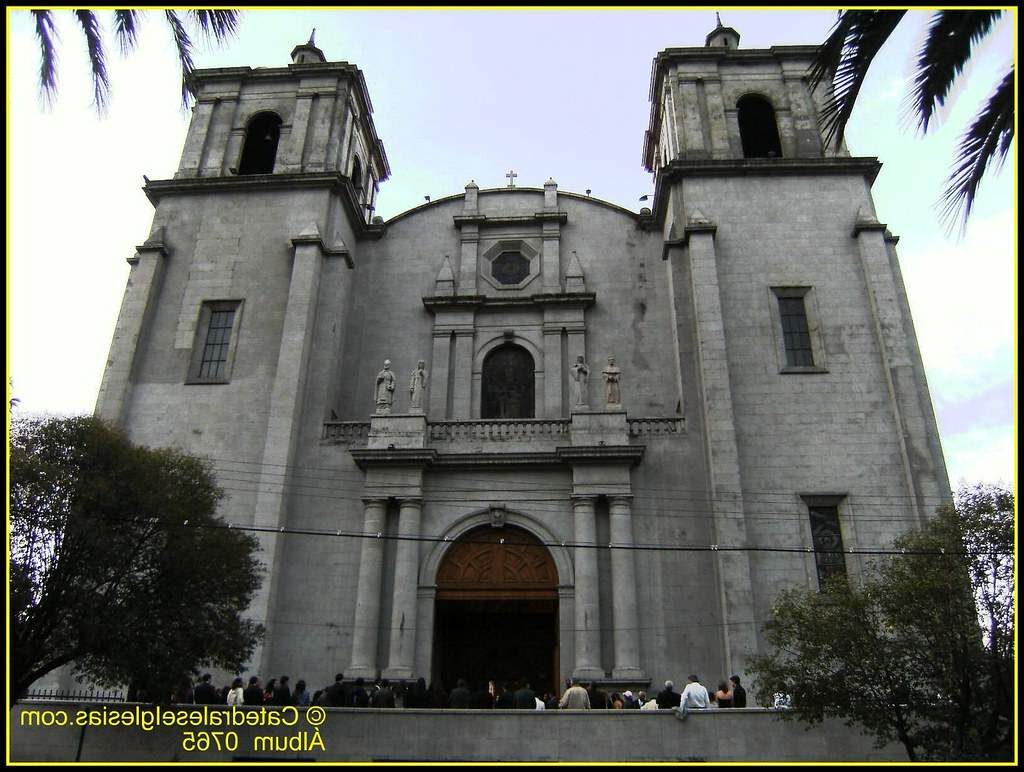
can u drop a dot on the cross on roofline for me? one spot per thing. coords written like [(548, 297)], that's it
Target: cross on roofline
[(511, 178)]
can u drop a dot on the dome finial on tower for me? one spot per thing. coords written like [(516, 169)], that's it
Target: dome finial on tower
[(722, 36), (308, 53)]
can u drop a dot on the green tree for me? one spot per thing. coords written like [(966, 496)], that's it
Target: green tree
[(119, 563), (847, 54), (216, 25), (921, 653)]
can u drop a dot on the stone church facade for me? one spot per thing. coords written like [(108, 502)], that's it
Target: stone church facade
[(504, 514)]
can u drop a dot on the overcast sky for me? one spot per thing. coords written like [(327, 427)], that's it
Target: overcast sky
[(470, 94)]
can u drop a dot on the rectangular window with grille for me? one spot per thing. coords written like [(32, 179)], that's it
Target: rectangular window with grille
[(218, 337), (214, 348), (827, 538), (795, 333)]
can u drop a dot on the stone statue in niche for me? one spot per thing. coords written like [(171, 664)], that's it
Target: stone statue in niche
[(417, 383), (385, 389), (580, 374), (612, 374)]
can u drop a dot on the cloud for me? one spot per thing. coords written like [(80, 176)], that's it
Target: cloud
[(981, 455)]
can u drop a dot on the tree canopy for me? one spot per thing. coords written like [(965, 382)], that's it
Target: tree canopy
[(847, 54), (217, 25), (921, 653), (119, 563)]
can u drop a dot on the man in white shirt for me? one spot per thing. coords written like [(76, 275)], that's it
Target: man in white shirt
[(694, 695)]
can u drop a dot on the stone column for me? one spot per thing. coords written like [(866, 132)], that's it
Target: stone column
[(588, 611), (626, 633), (401, 657), (367, 618)]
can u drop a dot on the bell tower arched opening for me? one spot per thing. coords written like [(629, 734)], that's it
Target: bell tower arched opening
[(260, 149), (496, 615), (758, 130)]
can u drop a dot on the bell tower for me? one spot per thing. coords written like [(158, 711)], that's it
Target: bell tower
[(234, 317), (776, 262)]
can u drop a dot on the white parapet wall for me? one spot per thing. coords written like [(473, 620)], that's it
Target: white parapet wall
[(353, 734)]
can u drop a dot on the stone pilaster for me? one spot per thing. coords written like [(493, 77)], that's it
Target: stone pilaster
[(219, 134), (806, 135), (402, 653), (286, 404), (439, 375), (626, 632), (365, 626), (192, 155), (147, 267), (717, 127), (297, 142), (587, 606), (927, 483), (553, 371), (732, 569), (463, 381)]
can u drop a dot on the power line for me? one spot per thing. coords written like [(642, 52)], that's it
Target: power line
[(559, 504), (566, 544), (359, 476)]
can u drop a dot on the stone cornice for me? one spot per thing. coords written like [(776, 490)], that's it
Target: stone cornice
[(476, 460), (565, 299), (602, 454), (331, 181), (429, 457), (366, 458), (867, 166), (481, 219), (324, 249)]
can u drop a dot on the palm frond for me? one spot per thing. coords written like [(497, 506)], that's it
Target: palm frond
[(946, 49), (126, 29), (845, 58), (47, 34), (184, 45), (218, 24), (989, 135), (97, 58)]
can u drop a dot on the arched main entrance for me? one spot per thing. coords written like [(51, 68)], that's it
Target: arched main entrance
[(497, 610)]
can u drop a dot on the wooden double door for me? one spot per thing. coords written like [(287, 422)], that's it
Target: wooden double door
[(496, 616)]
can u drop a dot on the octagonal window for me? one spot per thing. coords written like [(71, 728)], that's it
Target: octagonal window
[(510, 268)]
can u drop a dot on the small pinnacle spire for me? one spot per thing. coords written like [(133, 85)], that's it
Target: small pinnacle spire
[(718, 20), (312, 36)]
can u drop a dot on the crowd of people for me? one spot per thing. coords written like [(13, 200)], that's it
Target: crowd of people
[(465, 696)]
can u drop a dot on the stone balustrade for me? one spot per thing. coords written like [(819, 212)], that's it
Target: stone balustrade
[(642, 427), (346, 432), (498, 430)]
